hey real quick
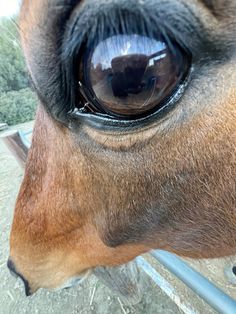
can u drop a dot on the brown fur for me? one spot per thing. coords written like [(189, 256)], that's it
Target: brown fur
[(92, 197)]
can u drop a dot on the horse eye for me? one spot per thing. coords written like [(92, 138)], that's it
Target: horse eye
[(131, 76)]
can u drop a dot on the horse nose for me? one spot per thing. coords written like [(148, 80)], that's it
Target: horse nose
[(12, 268), (13, 271)]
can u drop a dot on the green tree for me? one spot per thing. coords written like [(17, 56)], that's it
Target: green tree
[(12, 67), (17, 106), (17, 101)]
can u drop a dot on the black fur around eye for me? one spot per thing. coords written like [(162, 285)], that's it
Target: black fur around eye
[(131, 76)]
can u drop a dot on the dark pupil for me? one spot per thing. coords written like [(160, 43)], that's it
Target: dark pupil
[(130, 75)]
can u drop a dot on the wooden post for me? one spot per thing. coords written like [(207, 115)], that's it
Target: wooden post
[(124, 280), (17, 147)]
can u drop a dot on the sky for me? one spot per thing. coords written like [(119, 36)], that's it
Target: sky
[(9, 7), (122, 45)]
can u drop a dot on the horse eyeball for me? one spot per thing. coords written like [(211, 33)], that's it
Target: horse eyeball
[(129, 76)]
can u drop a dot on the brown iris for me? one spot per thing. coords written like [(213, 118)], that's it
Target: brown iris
[(132, 75)]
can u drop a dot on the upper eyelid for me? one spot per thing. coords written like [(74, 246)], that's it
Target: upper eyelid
[(182, 21)]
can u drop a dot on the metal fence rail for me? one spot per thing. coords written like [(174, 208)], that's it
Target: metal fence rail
[(214, 296)]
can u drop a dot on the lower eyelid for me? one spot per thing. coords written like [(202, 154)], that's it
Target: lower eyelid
[(109, 124)]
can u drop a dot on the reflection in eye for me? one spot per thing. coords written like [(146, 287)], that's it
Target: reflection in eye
[(131, 75)]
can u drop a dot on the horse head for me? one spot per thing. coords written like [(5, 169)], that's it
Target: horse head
[(134, 140)]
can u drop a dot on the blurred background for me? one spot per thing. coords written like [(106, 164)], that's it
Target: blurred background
[(17, 100)]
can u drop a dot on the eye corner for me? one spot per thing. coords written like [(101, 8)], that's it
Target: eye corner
[(105, 122)]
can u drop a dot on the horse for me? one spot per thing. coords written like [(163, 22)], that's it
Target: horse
[(133, 146)]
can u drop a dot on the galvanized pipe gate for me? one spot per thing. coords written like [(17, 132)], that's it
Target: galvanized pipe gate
[(211, 294)]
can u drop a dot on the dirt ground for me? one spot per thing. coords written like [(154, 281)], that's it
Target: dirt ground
[(92, 296)]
